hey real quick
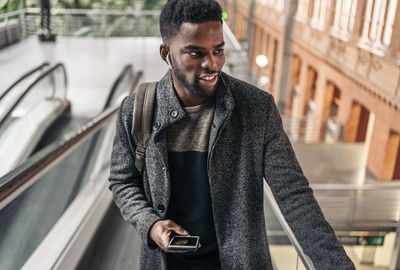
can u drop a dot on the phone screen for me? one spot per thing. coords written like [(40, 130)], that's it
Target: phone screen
[(184, 241)]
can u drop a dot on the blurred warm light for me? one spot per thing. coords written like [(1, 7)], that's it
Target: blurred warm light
[(263, 81), (262, 60)]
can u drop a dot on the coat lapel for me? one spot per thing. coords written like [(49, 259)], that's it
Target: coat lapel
[(223, 111)]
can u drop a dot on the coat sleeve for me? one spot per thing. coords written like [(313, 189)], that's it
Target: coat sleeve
[(125, 181), (296, 200)]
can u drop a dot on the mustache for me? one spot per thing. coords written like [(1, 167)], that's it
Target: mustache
[(210, 72)]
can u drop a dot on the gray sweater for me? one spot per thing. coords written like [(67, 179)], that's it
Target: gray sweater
[(247, 144)]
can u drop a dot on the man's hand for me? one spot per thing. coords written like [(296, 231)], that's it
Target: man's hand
[(161, 232)]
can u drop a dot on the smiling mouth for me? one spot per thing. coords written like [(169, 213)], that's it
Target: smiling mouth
[(209, 79)]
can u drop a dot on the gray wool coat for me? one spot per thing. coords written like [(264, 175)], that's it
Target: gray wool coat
[(247, 143)]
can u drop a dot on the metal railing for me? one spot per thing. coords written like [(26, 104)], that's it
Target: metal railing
[(12, 27), (87, 22), (362, 207), (353, 210)]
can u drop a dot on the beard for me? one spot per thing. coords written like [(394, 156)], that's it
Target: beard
[(194, 87)]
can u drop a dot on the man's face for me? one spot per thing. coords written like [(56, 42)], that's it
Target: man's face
[(197, 57)]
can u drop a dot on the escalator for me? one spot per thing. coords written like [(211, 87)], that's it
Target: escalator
[(29, 107), (29, 211)]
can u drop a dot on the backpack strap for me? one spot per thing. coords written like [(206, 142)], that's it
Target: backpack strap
[(141, 120)]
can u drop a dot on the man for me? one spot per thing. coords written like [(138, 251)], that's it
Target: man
[(214, 138)]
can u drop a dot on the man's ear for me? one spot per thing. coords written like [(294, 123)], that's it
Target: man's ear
[(164, 52)]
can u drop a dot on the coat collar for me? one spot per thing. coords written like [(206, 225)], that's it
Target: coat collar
[(169, 108)]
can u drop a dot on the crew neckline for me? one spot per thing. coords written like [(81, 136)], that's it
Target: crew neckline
[(200, 107)]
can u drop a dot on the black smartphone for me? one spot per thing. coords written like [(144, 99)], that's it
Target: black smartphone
[(184, 243)]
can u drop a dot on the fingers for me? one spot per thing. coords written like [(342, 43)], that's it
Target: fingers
[(177, 229), (161, 231)]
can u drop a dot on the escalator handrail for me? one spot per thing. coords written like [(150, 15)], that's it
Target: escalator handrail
[(128, 68), (23, 77), (32, 85), (24, 176)]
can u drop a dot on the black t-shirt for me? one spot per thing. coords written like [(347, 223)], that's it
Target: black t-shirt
[(190, 203)]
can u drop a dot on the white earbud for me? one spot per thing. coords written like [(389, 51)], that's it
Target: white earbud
[(168, 61)]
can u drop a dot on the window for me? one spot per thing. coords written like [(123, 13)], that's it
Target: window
[(262, 2), (302, 10), (275, 4), (320, 13), (378, 23), (344, 16), (391, 164), (279, 5)]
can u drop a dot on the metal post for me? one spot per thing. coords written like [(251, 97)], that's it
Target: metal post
[(234, 16), (290, 11), (8, 34), (66, 25), (143, 24), (23, 25), (103, 24), (250, 28), (250, 31)]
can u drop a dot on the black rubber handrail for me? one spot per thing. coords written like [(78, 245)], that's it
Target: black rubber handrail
[(32, 85), (125, 70), (24, 176), (23, 77)]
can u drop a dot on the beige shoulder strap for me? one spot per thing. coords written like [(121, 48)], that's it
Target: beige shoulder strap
[(141, 121)]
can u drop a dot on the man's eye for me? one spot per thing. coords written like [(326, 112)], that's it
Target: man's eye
[(219, 51), (194, 53)]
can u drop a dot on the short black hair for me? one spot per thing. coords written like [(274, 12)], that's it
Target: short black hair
[(176, 12)]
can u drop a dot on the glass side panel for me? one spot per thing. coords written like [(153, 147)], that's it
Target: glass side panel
[(36, 111), (28, 219)]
